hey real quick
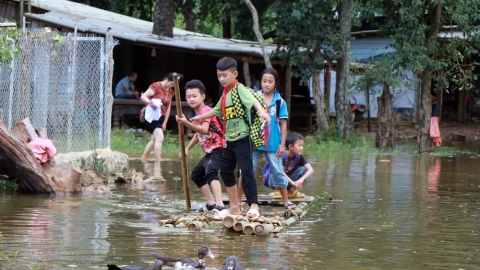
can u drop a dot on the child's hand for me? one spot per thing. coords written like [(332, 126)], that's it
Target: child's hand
[(180, 154), (265, 116), (196, 120), (299, 183), (181, 120), (280, 151)]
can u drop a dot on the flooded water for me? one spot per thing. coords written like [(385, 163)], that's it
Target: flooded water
[(389, 212)]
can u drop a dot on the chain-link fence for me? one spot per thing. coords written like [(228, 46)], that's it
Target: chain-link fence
[(62, 83)]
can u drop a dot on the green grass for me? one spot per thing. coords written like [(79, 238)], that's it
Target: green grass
[(319, 144), (7, 186), (129, 141)]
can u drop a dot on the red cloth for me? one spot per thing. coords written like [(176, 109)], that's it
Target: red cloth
[(223, 105), (43, 149), (435, 131), (164, 96)]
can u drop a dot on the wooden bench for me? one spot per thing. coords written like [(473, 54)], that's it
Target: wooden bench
[(122, 107)]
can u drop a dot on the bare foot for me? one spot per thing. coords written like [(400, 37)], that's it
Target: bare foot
[(234, 210)]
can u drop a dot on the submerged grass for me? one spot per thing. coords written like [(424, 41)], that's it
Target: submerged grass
[(131, 141)]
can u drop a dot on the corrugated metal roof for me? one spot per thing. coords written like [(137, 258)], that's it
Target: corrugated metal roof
[(94, 20), (366, 49)]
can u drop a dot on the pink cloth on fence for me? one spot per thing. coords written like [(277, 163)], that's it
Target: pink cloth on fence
[(435, 131), (43, 149)]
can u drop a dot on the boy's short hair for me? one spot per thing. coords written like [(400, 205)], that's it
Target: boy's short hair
[(196, 84), (227, 63), (169, 76), (293, 137)]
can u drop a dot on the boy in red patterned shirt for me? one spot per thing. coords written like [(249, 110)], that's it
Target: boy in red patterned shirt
[(210, 136)]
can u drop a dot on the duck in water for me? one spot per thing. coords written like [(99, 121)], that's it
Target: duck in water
[(187, 263), (156, 266), (231, 263)]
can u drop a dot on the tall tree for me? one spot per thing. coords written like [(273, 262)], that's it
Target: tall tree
[(186, 8), (164, 19), (429, 37), (256, 29), (309, 30), (342, 101), (375, 75)]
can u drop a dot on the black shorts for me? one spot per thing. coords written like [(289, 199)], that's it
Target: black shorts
[(155, 124), (207, 169)]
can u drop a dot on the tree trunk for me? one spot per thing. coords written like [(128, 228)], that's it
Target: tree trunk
[(188, 16), (425, 144), (256, 29), (18, 162), (385, 119), (227, 28), (342, 102), (424, 141), (319, 99), (164, 19)]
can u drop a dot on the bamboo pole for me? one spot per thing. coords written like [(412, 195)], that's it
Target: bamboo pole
[(249, 229), (228, 222), (239, 225), (195, 226), (181, 135)]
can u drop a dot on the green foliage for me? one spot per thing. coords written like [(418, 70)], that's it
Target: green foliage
[(310, 31), (8, 43), (7, 186), (331, 142), (94, 162), (412, 27)]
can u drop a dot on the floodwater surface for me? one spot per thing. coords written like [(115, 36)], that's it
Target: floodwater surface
[(388, 212)]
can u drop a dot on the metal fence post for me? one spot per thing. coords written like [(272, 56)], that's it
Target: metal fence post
[(108, 86), (71, 100), (101, 120), (10, 93)]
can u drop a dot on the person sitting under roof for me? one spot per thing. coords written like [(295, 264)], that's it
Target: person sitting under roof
[(125, 87)]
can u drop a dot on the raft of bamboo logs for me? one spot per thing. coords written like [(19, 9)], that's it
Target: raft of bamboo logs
[(267, 223)]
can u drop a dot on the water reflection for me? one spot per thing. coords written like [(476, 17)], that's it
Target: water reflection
[(412, 211)]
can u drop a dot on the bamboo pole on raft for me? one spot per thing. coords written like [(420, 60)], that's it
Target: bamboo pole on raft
[(181, 135)]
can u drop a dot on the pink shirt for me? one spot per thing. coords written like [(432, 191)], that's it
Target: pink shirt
[(212, 139)]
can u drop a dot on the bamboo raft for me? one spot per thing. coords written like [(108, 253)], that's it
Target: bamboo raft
[(267, 223)]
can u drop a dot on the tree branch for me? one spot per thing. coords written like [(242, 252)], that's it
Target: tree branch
[(256, 29)]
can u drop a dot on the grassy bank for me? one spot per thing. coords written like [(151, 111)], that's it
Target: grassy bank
[(130, 141), (326, 143)]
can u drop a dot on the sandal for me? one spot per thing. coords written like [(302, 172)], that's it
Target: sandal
[(208, 207), (252, 214), (277, 195), (296, 194), (288, 205), (219, 208)]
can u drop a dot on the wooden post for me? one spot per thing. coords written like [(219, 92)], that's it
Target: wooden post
[(29, 6), (368, 108), (327, 81), (20, 19), (246, 73), (181, 135), (288, 91)]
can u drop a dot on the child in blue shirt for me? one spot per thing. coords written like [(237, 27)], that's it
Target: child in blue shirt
[(276, 135)]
